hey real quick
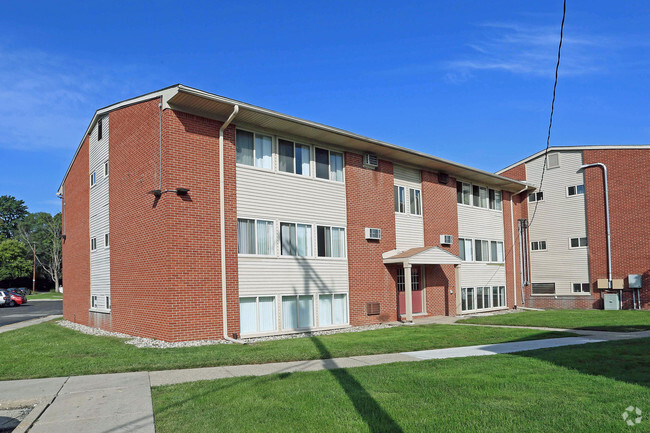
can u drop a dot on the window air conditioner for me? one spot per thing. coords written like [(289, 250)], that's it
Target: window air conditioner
[(446, 239), (373, 234), (370, 160)]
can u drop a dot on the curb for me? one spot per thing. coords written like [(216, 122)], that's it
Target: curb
[(27, 323)]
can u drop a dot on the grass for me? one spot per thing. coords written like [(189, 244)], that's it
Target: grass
[(49, 350), (569, 389), (44, 295), (600, 320)]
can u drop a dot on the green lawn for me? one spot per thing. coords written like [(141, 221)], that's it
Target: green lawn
[(44, 295), (601, 320), (570, 389), (48, 350)]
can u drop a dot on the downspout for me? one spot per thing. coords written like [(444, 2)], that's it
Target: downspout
[(222, 226), (514, 258)]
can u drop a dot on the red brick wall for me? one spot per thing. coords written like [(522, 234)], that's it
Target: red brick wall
[(369, 196), (629, 204), (76, 246), (440, 213)]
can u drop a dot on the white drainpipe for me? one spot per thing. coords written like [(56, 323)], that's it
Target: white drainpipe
[(222, 222)]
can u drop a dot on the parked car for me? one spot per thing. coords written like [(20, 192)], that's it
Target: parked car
[(16, 297), (4, 298)]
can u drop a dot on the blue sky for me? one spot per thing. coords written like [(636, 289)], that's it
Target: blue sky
[(468, 81)]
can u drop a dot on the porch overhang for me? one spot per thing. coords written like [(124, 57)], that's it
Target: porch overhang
[(421, 256)]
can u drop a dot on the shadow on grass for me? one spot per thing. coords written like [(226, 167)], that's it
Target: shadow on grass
[(623, 360), (622, 328), (372, 413)]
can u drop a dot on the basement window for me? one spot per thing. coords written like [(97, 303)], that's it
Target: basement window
[(575, 190), (581, 288), (543, 288), (578, 242), (93, 301), (536, 196), (257, 314), (538, 246)]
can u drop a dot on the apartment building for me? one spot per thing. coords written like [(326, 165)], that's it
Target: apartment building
[(189, 216), (567, 226)]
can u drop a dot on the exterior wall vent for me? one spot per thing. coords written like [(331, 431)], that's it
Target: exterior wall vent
[(373, 234), (446, 239), (370, 161), (443, 178), (373, 309), (553, 160)]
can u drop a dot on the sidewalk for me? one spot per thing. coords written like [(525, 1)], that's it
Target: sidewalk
[(122, 402)]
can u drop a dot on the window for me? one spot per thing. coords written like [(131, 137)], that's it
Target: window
[(495, 199), (106, 244), (107, 302), (400, 206), (496, 251), (93, 179), (498, 296), (480, 196), (463, 193), (331, 241), (465, 247), (332, 310), (538, 246), (294, 157), (255, 237), (93, 301), (254, 149), (106, 169), (486, 297), (482, 250), (575, 190), (99, 129), (257, 314), (553, 160), (93, 244), (329, 165), (536, 196), (415, 201), (543, 289), (577, 242), (479, 298), (467, 298), (295, 239), (415, 279), (581, 288), (297, 311)]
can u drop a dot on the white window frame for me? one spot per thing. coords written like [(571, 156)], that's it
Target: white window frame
[(295, 160), (256, 254), (93, 244), (344, 243), (106, 240), (483, 242), (274, 150), (296, 224), (347, 310), (107, 302), (494, 192), (582, 287), (576, 193), (417, 193), (93, 179), (400, 199), (538, 246), (503, 253), (464, 194), (536, 194), (257, 314), (93, 301), (579, 238), (329, 164), (297, 296), (105, 168), (465, 242)]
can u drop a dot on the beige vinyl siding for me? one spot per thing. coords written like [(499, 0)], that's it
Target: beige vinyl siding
[(100, 272), (409, 229), (482, 274), (279, 197), (558, 218)]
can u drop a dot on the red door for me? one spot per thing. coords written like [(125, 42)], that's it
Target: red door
[(416, 290)]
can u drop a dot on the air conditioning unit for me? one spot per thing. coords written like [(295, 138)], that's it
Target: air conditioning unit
[(446, 239), (373, 234), (370, 160)]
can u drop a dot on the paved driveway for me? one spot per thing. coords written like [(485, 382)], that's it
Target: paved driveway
[(30, 310)]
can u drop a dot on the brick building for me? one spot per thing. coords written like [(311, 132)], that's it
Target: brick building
[(188, 215)]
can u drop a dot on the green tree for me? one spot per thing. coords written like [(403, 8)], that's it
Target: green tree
[(41, 232), (11, 212), (13, 263)]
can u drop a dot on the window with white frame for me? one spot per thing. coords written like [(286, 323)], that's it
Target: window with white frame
[(93, 301), (254, 149), (105, 168), (575, 190), (467, 299), (463, 193), (538, 245), (331, 241), (480, 196), (481, 298), (107, 302), (93, 244), (495, 199), (106, 240), (482, 250), (294, 157), (415, 201), (465, 249), (296, 239), (581, 287), (578, 242), (496, 252), (400, 205), (498, 296), (255, 237), (536, 196), (332, 310), (297, 311), (93, 179), (257, 314), (329, 164), (543, 288)]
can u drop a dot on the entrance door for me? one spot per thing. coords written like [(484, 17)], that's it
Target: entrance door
[(416, 289)]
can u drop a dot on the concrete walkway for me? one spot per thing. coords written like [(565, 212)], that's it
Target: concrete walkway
[(27, 323)]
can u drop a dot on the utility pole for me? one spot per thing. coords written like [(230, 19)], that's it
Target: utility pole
[(34, 274)]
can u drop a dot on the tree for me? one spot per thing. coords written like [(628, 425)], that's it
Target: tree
[(41, 232), (13, 263), (11, 212)]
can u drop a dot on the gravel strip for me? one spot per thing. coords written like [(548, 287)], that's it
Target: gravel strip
[(158, 344)]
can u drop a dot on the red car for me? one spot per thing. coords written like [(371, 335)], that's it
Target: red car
[(16, 297)]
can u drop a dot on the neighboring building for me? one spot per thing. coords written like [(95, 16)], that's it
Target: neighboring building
[(567, 234), (305, 226)]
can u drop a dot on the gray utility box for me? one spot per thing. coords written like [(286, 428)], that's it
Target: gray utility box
[(634, 281), (611, 301)]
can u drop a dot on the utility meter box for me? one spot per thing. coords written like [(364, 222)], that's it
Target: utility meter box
[(634, 281), (610, 300)]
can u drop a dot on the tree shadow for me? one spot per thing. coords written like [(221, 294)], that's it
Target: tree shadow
[(377, 419)]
